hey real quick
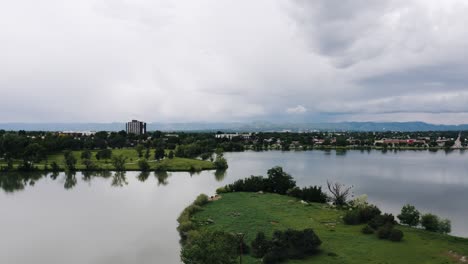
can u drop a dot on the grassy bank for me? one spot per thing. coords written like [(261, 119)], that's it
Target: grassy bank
[(250, 213), (175, 164)]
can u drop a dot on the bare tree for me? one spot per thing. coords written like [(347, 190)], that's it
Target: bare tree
[(339, 192)]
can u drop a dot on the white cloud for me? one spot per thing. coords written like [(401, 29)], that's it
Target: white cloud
[(226, 60), (299, 109)]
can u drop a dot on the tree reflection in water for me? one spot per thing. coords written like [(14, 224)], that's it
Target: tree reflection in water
[(162, 177), (220, 175), (119, 179)]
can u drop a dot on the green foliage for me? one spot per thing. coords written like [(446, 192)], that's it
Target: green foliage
[(363, 214), (54, 167), (143, 165), (384, 231), (309, 194), (396, 235), (220, 163), (139, 149), (171, 154), (409, 215), (104, 154), (159, 153), (201, 200), (210, 247), (382, 220), (119, 162), (433, 223), (70, 160), (352, 218), (367, 230), (279, 181), (430, 222), (86, 154), (260, 245)]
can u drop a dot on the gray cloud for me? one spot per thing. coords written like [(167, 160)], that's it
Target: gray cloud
[(106, 60)]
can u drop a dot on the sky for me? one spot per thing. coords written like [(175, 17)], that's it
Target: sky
[(234, 60)]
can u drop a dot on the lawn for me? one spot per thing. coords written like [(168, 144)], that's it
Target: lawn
[(175, 164), (249, 213)]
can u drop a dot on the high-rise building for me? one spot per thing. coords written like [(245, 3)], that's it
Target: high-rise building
[(136, 127)]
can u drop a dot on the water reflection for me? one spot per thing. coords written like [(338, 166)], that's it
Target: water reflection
[(220, 174), (162, 177)]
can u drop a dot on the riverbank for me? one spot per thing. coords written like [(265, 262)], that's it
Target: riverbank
[(131, 164), (249, 213)]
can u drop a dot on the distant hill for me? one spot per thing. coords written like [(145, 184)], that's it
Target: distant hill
[(240, 127)]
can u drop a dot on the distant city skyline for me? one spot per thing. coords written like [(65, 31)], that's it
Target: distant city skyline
[(224, 61)]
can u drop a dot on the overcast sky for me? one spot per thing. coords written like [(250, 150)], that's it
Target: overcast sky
[(239, 60)]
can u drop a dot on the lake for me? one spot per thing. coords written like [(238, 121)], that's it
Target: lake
[(131, 217)]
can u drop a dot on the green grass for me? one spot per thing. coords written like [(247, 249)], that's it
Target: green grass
[(250, 212), (175, 164)]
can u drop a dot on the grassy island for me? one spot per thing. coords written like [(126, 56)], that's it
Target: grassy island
[(131, 162), (250, 213)]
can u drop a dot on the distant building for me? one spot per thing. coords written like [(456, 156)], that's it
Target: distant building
[(136, 127), (230, 136)]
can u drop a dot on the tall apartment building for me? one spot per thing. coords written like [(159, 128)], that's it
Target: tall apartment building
[(136, 127)]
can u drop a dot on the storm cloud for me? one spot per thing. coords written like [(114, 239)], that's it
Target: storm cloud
[(221, 60)]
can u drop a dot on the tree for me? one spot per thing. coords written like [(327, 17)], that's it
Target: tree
[(339, 193), (89, 164), (409, 215), (430, 222), (220, 163), (70, 160), (279, 181), (119, 162), (86, 154), (104, 154), (143, 165), (34, 153), (139, 149), (210, 247), (159, 153), (147, 153), (171, 154), (260, 245)]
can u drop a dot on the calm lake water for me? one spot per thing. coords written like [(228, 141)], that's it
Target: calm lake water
[(131, 218)]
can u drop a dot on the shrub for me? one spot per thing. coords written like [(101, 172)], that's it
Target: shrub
[(396, 235), (368, 212), (367, 230), (201, 200), (260, 245), (279, 181), (445, 226), (409, 215), (382, 220), (220, 163), (309, 194), (222, 190), (430, 222), (384, 232), (210, 247), (55, 167), (352, 218)]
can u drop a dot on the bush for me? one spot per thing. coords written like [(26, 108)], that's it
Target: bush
[(384, 232), (445, 226), (220, 163), (382, 220), (368, 212), (367, 230), (222, 190), (260, 245), (352, 218), (434, 224), (310, 194), (396, 235), (210, 247), (430, 222), (201, 200), (409, 215)]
